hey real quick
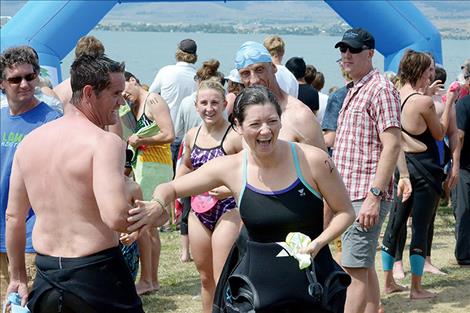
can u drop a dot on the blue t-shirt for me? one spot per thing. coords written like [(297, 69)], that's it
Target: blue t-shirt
[(333, 106), (13, 128)]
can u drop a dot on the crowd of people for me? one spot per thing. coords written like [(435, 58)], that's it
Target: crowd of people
[(93, 168)]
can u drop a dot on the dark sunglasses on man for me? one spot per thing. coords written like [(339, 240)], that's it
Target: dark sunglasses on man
[(18, 79), (344, 48)]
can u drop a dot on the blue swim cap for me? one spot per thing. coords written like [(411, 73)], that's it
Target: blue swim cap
[(251, 52)]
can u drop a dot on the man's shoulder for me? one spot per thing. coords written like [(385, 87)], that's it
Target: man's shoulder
[(50, 112), (295, 106)]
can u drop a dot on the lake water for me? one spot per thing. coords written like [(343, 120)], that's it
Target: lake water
[(146, 52)]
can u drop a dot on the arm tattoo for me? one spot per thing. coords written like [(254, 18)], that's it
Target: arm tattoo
[(329, 164)]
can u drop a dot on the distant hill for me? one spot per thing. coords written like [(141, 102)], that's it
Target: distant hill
[(445, 15)]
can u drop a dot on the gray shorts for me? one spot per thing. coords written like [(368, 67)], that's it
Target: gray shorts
[(359, 245)]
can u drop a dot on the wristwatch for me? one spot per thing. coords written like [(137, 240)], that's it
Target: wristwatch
[(376, 192)]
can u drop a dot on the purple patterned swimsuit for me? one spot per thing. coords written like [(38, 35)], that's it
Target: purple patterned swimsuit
[(200, 156)]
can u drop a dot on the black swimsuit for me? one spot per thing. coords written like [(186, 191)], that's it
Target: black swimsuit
[(269, 216), (425, 176)]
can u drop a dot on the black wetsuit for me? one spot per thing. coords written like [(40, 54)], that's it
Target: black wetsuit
[(425, 176), (269, 217), (98, 283)]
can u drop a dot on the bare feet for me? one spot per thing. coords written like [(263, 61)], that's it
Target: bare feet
[(417, 294), (144, 288), (398, 272), (155, 286), (429, 268), (185, 257), (381, 308), (394, 287)]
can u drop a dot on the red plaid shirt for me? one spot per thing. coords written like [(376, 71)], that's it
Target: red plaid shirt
[(371, 106)]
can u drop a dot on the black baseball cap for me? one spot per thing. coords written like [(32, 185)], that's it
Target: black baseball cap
[(357, 38), (188, 46)]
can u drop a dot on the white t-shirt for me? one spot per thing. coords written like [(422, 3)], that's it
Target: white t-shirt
[(187, 117), (287, 81), (323, 99), (173, 83)]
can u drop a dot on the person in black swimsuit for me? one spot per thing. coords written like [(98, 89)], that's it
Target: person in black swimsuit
[(421, 127), (279, 188)]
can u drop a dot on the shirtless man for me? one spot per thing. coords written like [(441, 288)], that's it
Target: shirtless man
[(255, 66), (89, 45), (70, 172)]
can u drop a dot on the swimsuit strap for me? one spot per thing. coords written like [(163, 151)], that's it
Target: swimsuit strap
[(299, 172), (197, 134), (225, 135), (409, 96), (244, 175)]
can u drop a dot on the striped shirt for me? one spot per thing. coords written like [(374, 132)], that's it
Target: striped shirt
[(371, 106)]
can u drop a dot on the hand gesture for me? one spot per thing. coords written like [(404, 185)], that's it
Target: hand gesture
[(404, 188), (220, 193), (19, 287), (134, 140), (145, 215), (434, 88)]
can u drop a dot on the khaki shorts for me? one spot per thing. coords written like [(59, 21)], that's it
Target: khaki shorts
[(5, 276), (359, 246)]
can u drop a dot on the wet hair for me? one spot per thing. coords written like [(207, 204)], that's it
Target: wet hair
[(412, 66), (89, 45), (211, 83), (275, 45), (93, 71), (129, 75), (319, 81), (182, 56), (17, 56), (297, 67), (440, 74), (256, 95), (310, 72), (209, 69)]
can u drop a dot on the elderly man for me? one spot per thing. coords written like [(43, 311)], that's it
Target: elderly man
[(255, 67), (367, 146), (19, 69), (72, 172)]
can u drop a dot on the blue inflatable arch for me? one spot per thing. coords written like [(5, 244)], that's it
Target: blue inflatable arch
[(53, 27)]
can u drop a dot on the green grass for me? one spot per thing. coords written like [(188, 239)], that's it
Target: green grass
[(180, 286)]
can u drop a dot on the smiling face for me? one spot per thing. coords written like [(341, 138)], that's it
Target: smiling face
[(108, 101), (260, 127), (210, 105), (21, 93)]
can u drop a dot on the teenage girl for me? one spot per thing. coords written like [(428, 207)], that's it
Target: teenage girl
[(214, 224)]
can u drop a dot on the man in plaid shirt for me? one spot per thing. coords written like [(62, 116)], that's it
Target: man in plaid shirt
[(366, 150)]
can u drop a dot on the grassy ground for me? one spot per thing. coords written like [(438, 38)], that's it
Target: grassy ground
[(180, 282)]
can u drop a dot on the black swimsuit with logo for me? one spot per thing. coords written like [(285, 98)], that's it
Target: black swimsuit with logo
[(279, 284)]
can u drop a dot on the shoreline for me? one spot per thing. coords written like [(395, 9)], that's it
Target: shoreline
[(333, 30)]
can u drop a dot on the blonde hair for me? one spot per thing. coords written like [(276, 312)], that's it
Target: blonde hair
[(275, 45), (211, 83), (182, 56), (89, 45)]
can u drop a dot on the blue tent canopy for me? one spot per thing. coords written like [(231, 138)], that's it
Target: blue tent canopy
[(396, 26)]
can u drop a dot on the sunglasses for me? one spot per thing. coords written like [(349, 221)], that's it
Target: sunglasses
[(18, 79), (352, 50)]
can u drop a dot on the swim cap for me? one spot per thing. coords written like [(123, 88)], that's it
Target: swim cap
[(251, 52)]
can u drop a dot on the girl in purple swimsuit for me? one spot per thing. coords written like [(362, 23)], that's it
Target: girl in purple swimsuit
[(213, 223)]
